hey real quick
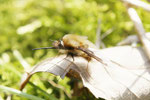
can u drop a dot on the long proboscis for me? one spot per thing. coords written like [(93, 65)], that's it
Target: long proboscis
[(53, 48), (45, 48)]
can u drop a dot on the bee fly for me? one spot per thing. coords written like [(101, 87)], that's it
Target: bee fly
[(74, 45)]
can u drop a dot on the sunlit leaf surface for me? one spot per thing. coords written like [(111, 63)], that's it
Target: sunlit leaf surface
[(124, 77)]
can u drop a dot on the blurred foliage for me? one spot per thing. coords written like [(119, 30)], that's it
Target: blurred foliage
[(28, 24)]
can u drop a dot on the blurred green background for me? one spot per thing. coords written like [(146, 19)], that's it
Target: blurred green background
[(28, 24)]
